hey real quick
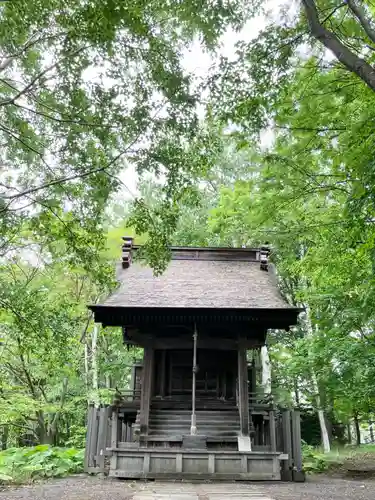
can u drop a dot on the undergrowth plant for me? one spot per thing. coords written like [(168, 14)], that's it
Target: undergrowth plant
[(19, 465), (313, 461)]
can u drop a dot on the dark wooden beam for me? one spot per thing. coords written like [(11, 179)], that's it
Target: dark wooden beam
[(162, 372), (148, 364), (184, 342), (243, 392)]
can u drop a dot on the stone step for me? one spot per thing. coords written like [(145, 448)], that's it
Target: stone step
[(186, 430), (204, 425), (203, 410), (178, 414), (186, 418)]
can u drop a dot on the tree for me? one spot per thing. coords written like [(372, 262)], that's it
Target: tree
[(84, 90), (49, 351)]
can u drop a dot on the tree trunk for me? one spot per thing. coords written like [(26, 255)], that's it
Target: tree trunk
[(87, 372), (315, 385), (371, 429), (4, 437), (349, 431), (94, 364), (296, 391), (357, 429), (266, 369)]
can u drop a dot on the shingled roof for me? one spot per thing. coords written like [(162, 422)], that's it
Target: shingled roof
[(217, 278)]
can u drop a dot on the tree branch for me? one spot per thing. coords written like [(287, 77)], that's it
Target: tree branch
[(351, 61), (360, 14), (31, 41), (39, 76), (21, 426)]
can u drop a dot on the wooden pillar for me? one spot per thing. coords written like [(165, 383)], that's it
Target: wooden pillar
[(243, 391), (193, 428), (162, 372), (287, 465), (253, 375), (114, 438), (298, 474), (272, 424), (148, 366), (133, 379)]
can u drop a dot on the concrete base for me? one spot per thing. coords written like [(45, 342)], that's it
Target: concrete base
[(298, 476), (244, 444), (286, 475)]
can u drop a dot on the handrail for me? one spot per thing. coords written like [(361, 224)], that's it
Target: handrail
[(260, 399), (127, 395)]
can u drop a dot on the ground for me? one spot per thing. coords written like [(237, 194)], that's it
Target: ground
[(93, 488)]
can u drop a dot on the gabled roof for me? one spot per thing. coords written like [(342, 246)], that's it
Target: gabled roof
[(198, 279), (199, 283)]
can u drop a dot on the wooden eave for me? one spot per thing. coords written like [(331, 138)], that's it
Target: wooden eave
[(281, 318)]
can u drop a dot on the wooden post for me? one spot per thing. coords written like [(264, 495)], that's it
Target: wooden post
[(287, 465), (90, 414), (193, 428), (253, 375), (93, 437), (272, 425), (100, 449), (148, 358), (114, 438), (298, 474), (162, 373), (243, 391), (133, 380)]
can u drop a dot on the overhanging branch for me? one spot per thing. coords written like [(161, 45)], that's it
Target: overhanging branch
[(330, 40), (360, 14)]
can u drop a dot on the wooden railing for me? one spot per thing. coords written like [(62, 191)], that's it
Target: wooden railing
[(126, 396)]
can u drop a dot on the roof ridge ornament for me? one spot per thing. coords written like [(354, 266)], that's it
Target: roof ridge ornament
[(127, 251), (264, 253)]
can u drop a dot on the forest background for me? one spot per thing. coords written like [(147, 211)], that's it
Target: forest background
[(274, 144)]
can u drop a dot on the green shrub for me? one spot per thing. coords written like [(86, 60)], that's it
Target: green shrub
[(77, 436), (313, 461), (18, 465)]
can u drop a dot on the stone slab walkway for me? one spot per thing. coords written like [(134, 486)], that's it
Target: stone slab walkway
[(184, 491), (94, 488)]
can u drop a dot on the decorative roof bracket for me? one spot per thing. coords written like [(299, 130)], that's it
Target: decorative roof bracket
[(264, 253), (127, 251)]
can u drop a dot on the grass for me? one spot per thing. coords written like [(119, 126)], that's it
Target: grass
[(346, 460)]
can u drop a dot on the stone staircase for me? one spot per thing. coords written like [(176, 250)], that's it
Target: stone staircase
[(210, 423)]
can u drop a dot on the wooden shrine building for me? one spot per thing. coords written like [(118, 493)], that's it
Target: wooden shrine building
[(196, 407)]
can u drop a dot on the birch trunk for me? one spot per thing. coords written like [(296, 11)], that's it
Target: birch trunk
[(314, 380), (94, 364), (266, 369), (310, 333), (87, 372)]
